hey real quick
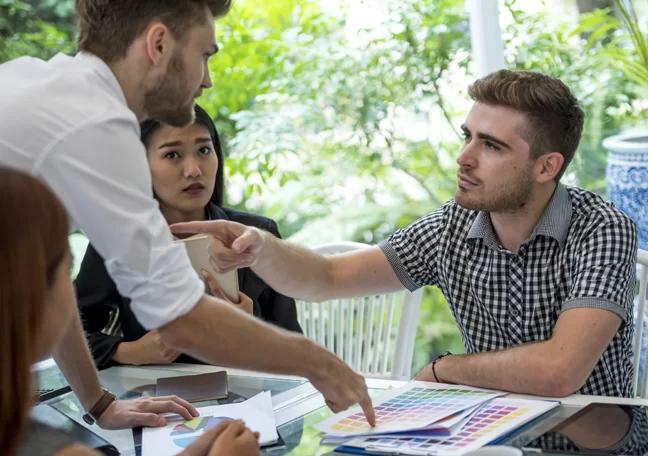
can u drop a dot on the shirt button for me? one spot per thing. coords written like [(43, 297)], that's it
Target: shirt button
[(515, 312)]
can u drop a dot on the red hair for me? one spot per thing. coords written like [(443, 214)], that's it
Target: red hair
[(33, 242)]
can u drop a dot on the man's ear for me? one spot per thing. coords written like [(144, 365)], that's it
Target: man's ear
[(548, 166), (157, 43)]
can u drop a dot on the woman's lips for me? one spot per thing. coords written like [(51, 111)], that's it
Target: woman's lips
[(194, 189)]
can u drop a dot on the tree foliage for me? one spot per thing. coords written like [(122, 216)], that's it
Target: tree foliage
[(344, 132)]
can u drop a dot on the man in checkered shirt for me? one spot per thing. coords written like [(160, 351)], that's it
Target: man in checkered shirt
[(539, 276)]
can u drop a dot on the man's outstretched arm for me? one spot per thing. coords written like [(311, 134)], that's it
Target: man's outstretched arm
[(220, 334), (292, 270)]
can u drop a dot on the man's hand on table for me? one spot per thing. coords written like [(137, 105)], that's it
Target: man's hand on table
[(145, 411)]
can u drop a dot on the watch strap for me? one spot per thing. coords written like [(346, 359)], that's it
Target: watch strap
[(438, 358), (94, 414)]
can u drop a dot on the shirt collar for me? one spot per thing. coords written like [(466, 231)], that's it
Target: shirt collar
[(554, 222), (103, 70)]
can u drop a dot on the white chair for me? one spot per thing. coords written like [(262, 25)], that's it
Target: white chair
[(642, 263), (359, 330)]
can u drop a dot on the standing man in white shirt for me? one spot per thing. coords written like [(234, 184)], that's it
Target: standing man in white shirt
[(74, 123)]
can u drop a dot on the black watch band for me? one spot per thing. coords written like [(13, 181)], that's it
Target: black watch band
[(438, 358)]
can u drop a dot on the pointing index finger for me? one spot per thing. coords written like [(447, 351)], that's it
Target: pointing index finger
[(190, 227), (367, 408)]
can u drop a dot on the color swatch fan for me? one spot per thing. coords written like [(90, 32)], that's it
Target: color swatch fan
[(416, 405), (493, 421)]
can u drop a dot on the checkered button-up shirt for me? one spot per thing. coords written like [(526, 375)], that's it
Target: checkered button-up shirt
[(582, 254)]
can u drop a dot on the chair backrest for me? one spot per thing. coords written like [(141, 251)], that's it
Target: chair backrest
[(360, 330), (639, 366)]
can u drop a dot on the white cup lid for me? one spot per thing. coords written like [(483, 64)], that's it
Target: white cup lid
[(496, 450)]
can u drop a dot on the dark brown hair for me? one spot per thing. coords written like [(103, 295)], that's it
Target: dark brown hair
[(33, 242), (107, 28), (554, 115)]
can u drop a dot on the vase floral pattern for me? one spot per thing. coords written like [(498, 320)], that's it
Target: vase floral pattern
[(627, 181)]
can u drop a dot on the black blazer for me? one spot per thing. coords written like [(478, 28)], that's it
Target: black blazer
[(97, 296)]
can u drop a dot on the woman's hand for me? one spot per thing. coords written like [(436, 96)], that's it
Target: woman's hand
[(245, 303), (227, 438), (149, 349)]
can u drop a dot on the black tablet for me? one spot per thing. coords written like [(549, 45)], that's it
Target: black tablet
[(53, 418), (598, 429)]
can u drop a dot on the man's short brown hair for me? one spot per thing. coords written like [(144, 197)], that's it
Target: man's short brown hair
[(107, 28), (554, 115)]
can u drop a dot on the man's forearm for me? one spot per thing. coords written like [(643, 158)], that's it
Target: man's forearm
[(73, 358), (527, 369), (292, 270), (220, 334)]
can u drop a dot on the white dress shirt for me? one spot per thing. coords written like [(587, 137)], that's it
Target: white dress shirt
[(67, 121)]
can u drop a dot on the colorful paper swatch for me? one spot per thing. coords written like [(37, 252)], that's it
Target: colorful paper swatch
[(180, 431), (198, 424), (178, 434), (417, 405), (493, 421)]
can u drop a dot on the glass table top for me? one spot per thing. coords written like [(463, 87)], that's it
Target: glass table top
[(134, 382), (296, 403)]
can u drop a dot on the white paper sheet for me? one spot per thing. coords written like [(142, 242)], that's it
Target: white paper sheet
[(173, 438)]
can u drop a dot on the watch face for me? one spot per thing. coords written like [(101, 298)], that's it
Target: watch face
[(88, 419)]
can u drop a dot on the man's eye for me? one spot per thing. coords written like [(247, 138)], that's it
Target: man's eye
[(490, 145)]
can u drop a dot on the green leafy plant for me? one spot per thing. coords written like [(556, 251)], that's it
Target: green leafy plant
[(633, 59), (635, 66)]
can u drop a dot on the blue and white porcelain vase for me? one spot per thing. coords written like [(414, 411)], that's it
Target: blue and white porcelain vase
[(627, 178)]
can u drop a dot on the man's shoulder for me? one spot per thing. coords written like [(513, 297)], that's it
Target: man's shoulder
[(592, 210), (58, 95), (449, 217)]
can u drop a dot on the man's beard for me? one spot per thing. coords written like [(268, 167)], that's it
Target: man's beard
[(169, 101), (508, 197)]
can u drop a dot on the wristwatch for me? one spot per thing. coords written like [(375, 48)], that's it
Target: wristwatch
[(100, 407)]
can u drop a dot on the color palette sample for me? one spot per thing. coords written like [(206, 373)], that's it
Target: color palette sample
[(494, 420), (203, 423), (171, 439), (417, 405)]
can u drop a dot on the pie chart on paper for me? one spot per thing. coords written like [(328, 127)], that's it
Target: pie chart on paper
[(195, 427)]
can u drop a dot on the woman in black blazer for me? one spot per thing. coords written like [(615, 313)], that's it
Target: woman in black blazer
[(187, 175)]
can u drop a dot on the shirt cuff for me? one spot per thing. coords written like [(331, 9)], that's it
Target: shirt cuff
[(597, 303), (397, 265)]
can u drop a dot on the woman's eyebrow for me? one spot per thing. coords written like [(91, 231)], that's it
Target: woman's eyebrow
[(171, 144)]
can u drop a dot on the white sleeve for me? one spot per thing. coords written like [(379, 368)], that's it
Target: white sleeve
[(101, 175)]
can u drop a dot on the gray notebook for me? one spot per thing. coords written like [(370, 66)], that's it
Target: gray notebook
[(194, 388)]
